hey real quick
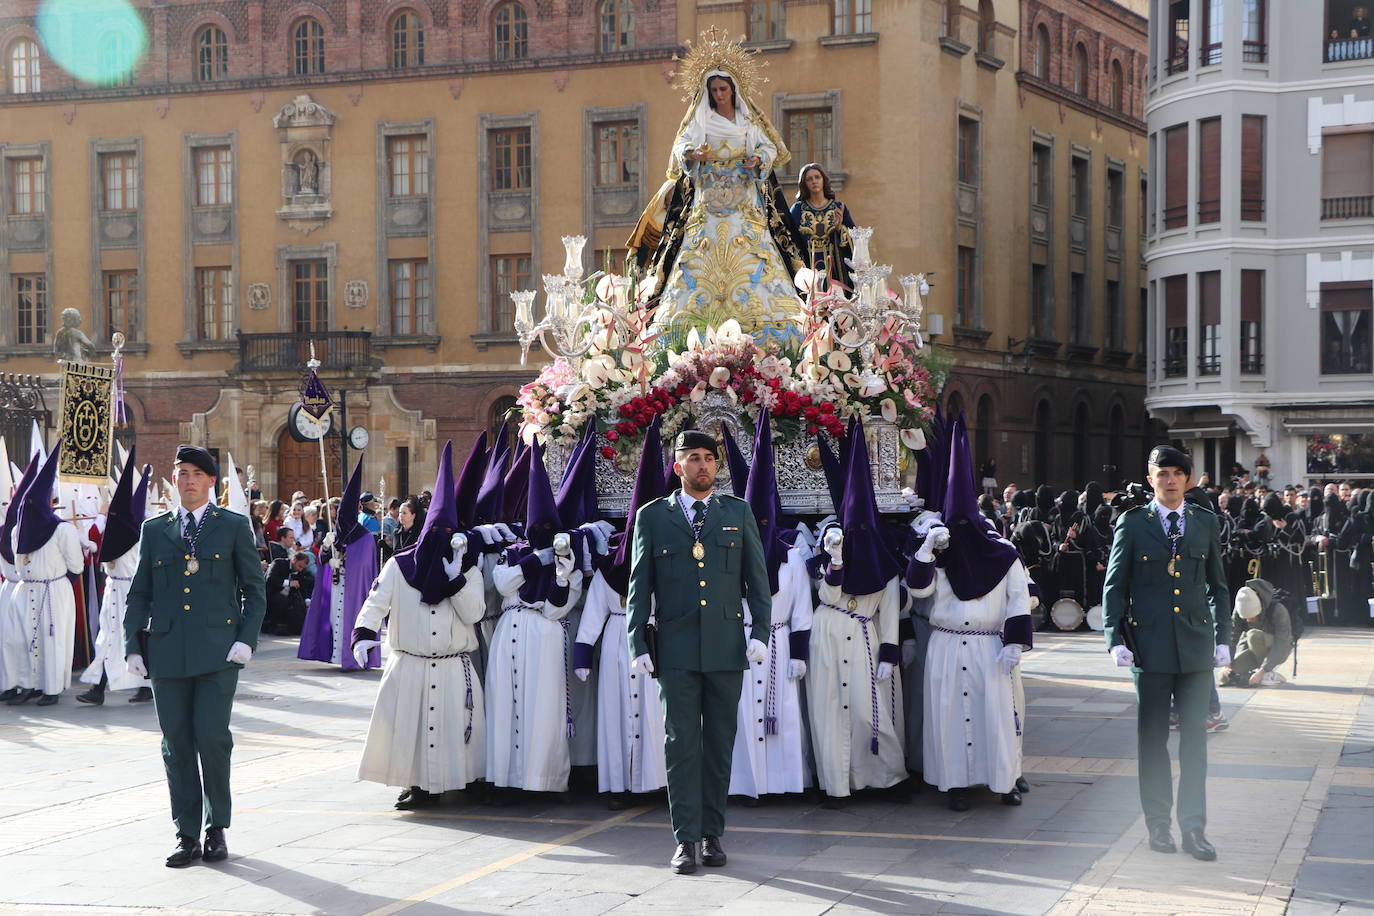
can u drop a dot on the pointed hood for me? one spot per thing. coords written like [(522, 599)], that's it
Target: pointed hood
[(515, 488), (37, 520), (648, 486), (422, 563), (576, 500), (128, 506), (7, 477), (346, 526), (490, 503), (238, 499), (868, 560), (761, 492), (12, 510), (542, 521), (974, 563), (734, 462), (469, 482)]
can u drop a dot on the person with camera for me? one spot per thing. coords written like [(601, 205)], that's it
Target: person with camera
[(289, 584)]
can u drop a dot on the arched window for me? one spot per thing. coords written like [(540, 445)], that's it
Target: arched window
[(982, 431), (307, 47), (113, 59), (24, 73), (212, 54), (510, 39), (407, 40), (1080, 69), (1117, 87), (617, 25), (987, 20), (500, 411), (1042, 442), (1080, 445), (949, 18), (954, 406), (1041, 64)]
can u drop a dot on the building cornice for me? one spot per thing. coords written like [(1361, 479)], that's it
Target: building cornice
[(1362, 394), (1032, 83), (1243, 244), (1162, 97)]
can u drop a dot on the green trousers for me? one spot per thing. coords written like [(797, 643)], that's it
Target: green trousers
[(700, 710), (193, 713), (1154, 692), (1251, 651)]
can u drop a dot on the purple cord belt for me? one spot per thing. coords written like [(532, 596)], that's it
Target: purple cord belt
[(1015, 713), (467, 677), (45, 604), (770, 716), (872, 674)]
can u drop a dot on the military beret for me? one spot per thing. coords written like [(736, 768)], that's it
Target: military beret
[(1166, 456), (199, 457), (689, 439)]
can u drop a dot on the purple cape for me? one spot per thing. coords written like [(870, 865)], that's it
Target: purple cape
[(317, 635)]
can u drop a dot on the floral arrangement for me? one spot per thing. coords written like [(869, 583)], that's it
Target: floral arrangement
[(624, 382)]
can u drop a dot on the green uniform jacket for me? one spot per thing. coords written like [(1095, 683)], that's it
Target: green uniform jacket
[(1177, 620), (193, 619), (700, 615)]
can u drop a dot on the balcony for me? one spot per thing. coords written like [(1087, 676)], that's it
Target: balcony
[(337, 351), (1209, 364), (1348, 207), (1349, 49), (1255, 52)]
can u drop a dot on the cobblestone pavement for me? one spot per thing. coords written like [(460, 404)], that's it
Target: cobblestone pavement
[(84, 824)]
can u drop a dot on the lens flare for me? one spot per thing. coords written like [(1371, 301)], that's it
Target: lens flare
[(97, 41)]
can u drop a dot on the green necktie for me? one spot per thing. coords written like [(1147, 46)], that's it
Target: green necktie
[(698, 512)]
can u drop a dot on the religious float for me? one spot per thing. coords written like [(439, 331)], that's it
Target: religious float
[(723, 309)]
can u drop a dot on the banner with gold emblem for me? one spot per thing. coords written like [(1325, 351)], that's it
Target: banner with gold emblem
[(87, 423)]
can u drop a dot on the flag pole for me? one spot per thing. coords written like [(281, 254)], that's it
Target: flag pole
[(312, 365)]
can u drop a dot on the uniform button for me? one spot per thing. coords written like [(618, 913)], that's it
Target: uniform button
[(760, 738), (968, 720), (963, 668), (701, 566), (1178, 575), (842, 683), (434, 633), (702, 583), (431, 709), (186, 574), (848, 638), (431, 728), (1176, 591), (187, 590), (431, 746), (963, 642), (970, 744), (1176, 609), (185, 607), (846, 707), (434, 664), (703, 602), (965, 693)]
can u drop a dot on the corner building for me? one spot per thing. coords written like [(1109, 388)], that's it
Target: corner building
[(376, 177), (1261, 246)]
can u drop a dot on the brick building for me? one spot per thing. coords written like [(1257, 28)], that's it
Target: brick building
[(377, 176)]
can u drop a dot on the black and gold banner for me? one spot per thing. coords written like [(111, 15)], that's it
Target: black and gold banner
[(87, 423)]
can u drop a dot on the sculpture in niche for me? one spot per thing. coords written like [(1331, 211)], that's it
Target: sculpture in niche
[(305, 132), (71, 344), (307, 172)]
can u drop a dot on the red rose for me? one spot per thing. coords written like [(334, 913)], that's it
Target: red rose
[(661, 405), (811, 413), (612, 435), (806, 400), (812, 429), (643, 419), (637, 404), (775, 383), (607, 452), (626, 410), (626, 428), (683, 390), (827, 407)]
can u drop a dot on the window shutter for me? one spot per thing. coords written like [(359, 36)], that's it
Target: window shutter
[(1209, 170), (1348, 165), (1176, 301), (1340, 297), (1252, 167), (1251, 295), (1176, 177), (1209, 297)]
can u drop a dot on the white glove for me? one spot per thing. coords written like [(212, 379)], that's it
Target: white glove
[(563, 566), (545, 555), (582, 673), (361, 650), (756, 651), (884, 670), (600, 532), (940, 535), (908, 653), (1009, 658), (642, 665), (832, 542), (136, 666), (239, 653), (454, 568), (925, 520), (796, 669), (1122, 656), (912, 498), (487, 533), (933, 542), (504, 531), (1223, 656)]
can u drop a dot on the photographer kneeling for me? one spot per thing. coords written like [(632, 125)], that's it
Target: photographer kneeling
[(1262, 637)]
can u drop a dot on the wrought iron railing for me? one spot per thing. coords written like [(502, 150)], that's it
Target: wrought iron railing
[(288, 352)]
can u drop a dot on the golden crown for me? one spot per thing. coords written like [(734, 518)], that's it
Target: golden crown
[(715, 51)]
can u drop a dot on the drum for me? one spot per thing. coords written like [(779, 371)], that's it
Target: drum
[(1066, 614), (1095, 618)]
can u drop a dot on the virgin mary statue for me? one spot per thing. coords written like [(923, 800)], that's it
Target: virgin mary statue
[(716, 242)]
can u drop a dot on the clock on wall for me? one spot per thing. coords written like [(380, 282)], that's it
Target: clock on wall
[(358, 438), (305, 428)]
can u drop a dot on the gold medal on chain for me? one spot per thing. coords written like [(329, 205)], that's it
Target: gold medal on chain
[(192, 565), (698, 552)]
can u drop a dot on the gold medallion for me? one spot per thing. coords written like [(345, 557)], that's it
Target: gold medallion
[(853, 604), (698, 552), (1171, 565), (192, 565)]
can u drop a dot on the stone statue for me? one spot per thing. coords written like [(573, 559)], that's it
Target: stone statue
[(307, 174), (71, 343)]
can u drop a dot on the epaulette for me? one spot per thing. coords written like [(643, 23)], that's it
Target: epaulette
[(737, 499)]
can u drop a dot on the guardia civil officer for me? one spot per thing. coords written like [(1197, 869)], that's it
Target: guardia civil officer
[(696, 554), (1166, 616), (200, 595)]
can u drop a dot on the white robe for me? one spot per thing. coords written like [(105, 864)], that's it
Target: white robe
[(629, 717), (971, 719), (527, 688), (46, 610), (841, 687), (416, 736), (765, 764), (11, 654), (109, 641)]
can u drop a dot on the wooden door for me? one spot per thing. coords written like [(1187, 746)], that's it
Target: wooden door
[(298, 467)]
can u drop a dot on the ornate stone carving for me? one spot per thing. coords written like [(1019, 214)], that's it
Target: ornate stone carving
[(259, 296), (560, 80), (161, 106), (355, 294), (355, 95), (303, 111), (304, 131), (455, 87)]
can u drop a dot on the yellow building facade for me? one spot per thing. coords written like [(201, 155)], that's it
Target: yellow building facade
[(273, 174)]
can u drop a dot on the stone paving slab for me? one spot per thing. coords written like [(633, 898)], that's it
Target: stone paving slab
[(84, 824)]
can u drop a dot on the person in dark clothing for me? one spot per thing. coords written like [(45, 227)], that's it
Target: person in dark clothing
[(289, 584)]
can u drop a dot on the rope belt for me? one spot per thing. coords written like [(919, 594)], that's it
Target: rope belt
[(1015, 713), (467, 677), (44, 604), (967, 632), (770, 716), (567, 685), (872, 673), (119, 578)]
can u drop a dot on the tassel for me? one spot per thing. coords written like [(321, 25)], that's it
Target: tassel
[(572, 731), (770, 725), (467, 702), (1016, 718), (467, 733), (873, 746)]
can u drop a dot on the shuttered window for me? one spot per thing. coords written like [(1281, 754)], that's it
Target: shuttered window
[(1252, 167), (1209, 314), (1176, 177), (1348, 175), (1176, 325), (1251, 322), (1345, 328), (1209, 171)]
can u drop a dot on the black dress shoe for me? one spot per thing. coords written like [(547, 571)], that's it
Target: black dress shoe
[(142, 695), (712, 856), (22, 697), (959, 800), (418, 798), (48, 699), (684, 861), (9, 694), (836, 802), (617, 801), (216, 850), (1196, 845), (95, 696), (187, 851), (1021, 784), (1161, 840), (1012, 798)]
